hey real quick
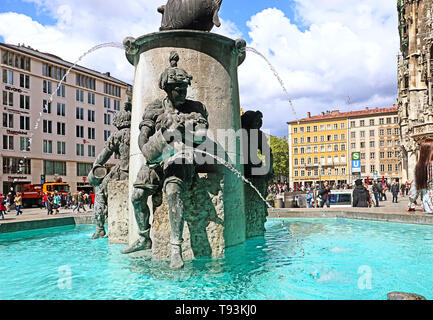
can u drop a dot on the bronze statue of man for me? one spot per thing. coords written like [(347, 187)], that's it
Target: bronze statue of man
[(166, 123), (118, 144)]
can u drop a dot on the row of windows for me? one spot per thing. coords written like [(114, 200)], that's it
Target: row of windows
[(315, 160), (112, 90), (47, 147), (16, 60), (322, 138), (315, 149), (329, 126), (8, 121), (323, 172), (382, 168), (389, 154), (85, 81), (372, 122), (372, 133), (372, 144), (54, 72), (16, 165), (8, 78)]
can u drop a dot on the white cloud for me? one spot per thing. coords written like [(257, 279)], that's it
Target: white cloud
[(346, 48)]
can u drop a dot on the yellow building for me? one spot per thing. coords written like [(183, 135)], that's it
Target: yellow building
[(318, 148)]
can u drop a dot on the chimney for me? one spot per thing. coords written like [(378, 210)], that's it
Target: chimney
[(309, 114), (107, 74)]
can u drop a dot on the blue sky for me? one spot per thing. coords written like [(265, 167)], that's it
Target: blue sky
[(325, 51)]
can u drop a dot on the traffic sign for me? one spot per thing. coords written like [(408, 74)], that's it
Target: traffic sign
[(356, 165), (356, 155)]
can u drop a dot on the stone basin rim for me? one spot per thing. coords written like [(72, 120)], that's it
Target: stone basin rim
[(183, 33)]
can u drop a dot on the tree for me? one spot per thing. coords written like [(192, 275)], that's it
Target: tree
[(280, 151)]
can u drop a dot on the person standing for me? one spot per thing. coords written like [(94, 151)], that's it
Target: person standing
[(57, 202), (403, 189), (309, 197), (50, 204), (18, 203), (377, 190), (2, 208), (394, 191), (424, 175), (81, 202), (361, 196), (324, 195)]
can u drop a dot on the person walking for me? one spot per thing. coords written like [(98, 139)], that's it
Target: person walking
[(81, 201), (394, 190), (403, 189), (8, 202), (18, 203), (68, 200), (361, 196), (50, 204), (56, 202), (377, 190), (324, 195), (44, 200)]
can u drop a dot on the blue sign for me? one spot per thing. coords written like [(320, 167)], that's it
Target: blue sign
[(356, 165)]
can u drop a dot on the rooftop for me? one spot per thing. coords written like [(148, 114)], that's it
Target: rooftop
[(336, 114), (57, 60)]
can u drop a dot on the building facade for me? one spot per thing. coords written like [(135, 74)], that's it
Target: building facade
[(321, 146), (415, 82), (318, 150), (58, 138)]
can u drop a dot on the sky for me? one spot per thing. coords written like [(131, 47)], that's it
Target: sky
[(330, 55)]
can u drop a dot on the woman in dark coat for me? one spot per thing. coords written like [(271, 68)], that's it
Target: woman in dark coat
[(361, 196)]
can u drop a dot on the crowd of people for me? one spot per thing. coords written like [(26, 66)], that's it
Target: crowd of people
[(365, 194), (53, 202)]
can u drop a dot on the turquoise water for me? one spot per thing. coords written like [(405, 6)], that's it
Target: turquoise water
[(297, 259)]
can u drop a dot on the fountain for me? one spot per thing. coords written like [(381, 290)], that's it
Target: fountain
[(182, 203)]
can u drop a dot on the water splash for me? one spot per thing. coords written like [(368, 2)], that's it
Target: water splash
[(276, 75)]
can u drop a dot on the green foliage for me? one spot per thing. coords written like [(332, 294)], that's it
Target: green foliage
[(280, 151)]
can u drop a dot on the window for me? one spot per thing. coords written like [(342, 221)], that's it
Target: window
[(352, 124), (61, 128), (296, 161), (47, 87), (363, 169), (296, 173), (107, 119), (79, 95), (302, 173), (388, 131), (80, 149), (328, 126), (308, 149), (316, 160), (371, 144), (353, 145), (343, 171), (8, 120), (295, 150), (335, 137), (322, 148), (372, 168), (381, 155), (361, 123), (302, 139), (24, 102), (302, 150), (24, 144), (389, 154), (8, 77), (322, 127), (322, 138), (328, 137), (24, 81), (353, 135), (16, 165), (343, 136), (389, 143), (381, 132), (371, 133), (371, 122), (47, 146), (24, 123), (336, 160), (8, 99), (335, 147), (308, 127), (343, 147), (315, 139), (301, 129), (8, 142), (90, 98), (91, 133), (362, 155), (308, 139), (54, 167), (343, 159), (83, 169), (61, 147), (397, 154), (295, 140), (329, 160), (397, 167), (342, 125), (91, 115), (381, 121), (16, 60), (315, 128), (382, 168), (362, 134), (336, 172), (362, 144), (46, 106), (61, 91), (91, 151), (372, 155), (79, 131), (396, 120), (389, 167), (396, 131), (315, 150), (295, 130), (47, 126), (107, 105), (335, 126), (61, 109), (329, 147), (79, 113), (388, 120), (382, 143)]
